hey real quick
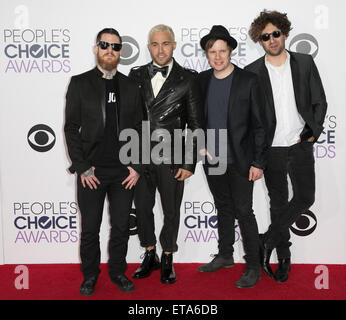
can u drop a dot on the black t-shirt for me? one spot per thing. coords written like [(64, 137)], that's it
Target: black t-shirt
[(218, 101), (108, 150)]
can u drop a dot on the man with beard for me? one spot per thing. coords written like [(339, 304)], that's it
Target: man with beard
[(99, 104), (295, 110)]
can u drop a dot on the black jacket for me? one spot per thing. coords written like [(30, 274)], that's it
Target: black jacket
[(86, 113), (308, 90), (245, 128), (176, 106)]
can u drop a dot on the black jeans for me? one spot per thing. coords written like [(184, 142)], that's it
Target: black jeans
[(91, 202), (298, 163), (232, 194), (171, 193)]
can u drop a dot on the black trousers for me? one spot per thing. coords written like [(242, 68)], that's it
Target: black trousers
[(298, 163), (171, 193), (91, 204), (232, 195)]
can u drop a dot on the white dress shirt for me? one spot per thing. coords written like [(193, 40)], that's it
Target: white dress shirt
[(158, 80), (289, 123)]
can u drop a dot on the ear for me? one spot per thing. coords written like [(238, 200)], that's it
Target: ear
[(174, 45), (96, 49)]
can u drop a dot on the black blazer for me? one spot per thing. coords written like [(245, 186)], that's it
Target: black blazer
[(308, 91), (246, 133), (85, 114)]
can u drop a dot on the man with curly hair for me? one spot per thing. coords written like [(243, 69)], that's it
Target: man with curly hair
[(295, 106)]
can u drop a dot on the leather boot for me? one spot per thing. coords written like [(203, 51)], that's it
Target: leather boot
[(282, 270), (167, 270), (150, 262)]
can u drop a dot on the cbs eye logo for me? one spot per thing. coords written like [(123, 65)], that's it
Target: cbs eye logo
[(133, 222), (130, 50), (304, 43), (305, 225), (41, 138)]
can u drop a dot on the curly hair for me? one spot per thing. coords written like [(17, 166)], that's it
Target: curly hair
[(276, 18)]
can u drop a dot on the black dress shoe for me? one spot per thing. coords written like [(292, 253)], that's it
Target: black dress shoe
[(265, 254), (167, 270), (217, 263), (123, 283), (87, 288), (150, 262), (282, 270), (249, 278)]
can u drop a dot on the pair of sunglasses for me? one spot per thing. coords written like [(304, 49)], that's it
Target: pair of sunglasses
[(266, 36), (104, 45)]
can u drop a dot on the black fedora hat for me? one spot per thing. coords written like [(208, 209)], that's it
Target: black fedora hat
[(219, 32)]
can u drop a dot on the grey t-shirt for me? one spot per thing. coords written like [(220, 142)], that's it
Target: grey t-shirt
[(217, 111)]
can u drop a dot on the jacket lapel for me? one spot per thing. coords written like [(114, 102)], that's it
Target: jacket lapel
[(264, 75), (100, 91), (295, 78), (234, 89), (169, 84)]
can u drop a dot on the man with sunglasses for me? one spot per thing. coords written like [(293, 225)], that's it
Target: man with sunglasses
[(295, 111), (99, 104), (171, 99)]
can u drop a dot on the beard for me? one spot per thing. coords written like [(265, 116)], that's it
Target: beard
[(276, 53), (107, 64)]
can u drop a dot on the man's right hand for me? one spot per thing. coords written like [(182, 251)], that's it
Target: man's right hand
[(88, 178)]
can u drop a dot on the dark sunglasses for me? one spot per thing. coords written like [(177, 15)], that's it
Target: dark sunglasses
[(104, 45), (266, 36)]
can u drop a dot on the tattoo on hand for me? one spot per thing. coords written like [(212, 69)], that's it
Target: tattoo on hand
[(88, 173)]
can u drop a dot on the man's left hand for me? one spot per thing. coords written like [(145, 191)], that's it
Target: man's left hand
[(255, 173), (183, 174), (131, 179)]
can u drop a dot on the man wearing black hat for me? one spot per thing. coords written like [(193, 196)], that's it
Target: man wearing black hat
[(233, 102)]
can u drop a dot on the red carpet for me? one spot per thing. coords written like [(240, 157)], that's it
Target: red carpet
[(61, 282)]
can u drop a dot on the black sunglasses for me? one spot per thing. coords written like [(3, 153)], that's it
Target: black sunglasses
[(104, 45), (266, 36)]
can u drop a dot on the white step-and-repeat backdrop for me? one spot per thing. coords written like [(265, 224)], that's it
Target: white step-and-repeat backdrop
[(43, 43)]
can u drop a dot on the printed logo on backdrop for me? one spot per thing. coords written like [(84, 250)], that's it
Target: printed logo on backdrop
[(41, 138), (304, 43), (201, 222), (45, 222), (305, 225), (194, 56), (37, 50), (325, 146), (130, 50), (133, 222)]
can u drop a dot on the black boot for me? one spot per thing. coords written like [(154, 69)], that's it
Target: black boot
[(265, 254), (282, 270), (167, 270), (88, 286), (150, 262), (249, 278), (217, 263)]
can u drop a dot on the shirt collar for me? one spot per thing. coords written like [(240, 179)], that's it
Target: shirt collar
[(106, 75)]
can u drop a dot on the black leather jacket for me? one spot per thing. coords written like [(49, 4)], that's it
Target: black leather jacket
[(177, 105)]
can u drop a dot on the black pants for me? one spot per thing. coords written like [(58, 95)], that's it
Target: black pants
[(171, 193), (298, 163), (91, 204), (232, 194)]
